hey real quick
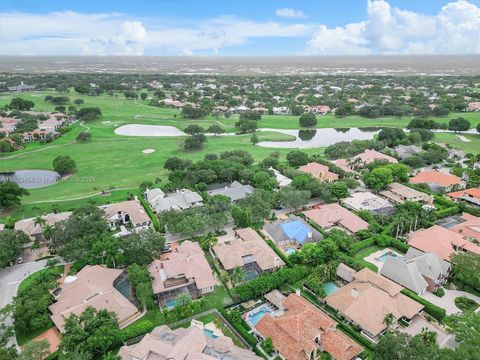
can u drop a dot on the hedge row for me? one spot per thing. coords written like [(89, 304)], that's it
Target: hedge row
[(440, 214), (431, 309), (280, 254), (355, 335), (357, 264), (150, 213), (241, 326), (440, 200), (136, 329), (360, 245), (269, 281)]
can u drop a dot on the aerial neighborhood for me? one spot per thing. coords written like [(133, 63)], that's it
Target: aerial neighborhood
[(211, 217)]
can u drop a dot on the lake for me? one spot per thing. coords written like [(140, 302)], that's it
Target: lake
[(31, 179), (306, 139)]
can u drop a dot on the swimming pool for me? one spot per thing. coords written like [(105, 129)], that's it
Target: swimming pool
[(170, 303), (290, 251), (209, 333), (330, 287), (384, 257), (257, 314), (251, 274)]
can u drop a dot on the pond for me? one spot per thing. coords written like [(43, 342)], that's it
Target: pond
[(148, 130), (31, 179), (314, 138)]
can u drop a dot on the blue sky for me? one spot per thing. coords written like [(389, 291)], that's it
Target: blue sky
[(261, 27)]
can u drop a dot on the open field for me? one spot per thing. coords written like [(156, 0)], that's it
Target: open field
[(112, 162)]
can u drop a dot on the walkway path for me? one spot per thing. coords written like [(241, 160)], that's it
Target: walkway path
[(447, 301), (81, 197)]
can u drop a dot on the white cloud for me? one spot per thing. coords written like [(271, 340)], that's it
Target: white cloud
[(385, 30), (390, 30), (116, 34), (290, 13)]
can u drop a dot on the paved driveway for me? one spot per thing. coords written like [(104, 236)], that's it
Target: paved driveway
[(447, 301), (11, 277), (418, 323)]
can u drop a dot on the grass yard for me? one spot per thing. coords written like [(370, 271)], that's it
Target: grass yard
[(359, 256), (117, 163), (472, 146), (220, 324)]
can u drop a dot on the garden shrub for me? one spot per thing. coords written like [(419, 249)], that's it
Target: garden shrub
[(358, 246), (439, 292), (431, 309), (466, 304), (137, 329)]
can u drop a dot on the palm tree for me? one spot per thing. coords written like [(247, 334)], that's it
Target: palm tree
[(388, 320), (110, 356), (39, 220), (183, 299), (207, 241), (48, 231), (237, 275)]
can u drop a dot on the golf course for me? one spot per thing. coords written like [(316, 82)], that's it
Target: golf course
[(110, 165)]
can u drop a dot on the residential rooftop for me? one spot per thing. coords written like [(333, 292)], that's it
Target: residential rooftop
[(303, 329), (368, 201), (184, 344), (132, 208), (399, 193), (231, 254), (436, 178), (319, 171), (330, 215), (235, 191), (443, 242), (369, 298), (469, 228), (92, 286)]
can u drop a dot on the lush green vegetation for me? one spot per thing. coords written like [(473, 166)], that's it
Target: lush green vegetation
[(466, 304)]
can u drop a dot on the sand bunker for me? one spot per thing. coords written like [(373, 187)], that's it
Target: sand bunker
[(148, 151), (148, 130), (463, 138), (106, 122)]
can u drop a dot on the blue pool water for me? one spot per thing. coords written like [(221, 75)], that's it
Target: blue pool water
[(170, 303), (255, 318), (329, 287), (290, 251), (209, 333), (296, 230), (249, 275), (384, 257)]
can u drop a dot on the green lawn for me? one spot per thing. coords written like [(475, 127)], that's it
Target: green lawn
[(359, 256), (112, 162), (22, 337)]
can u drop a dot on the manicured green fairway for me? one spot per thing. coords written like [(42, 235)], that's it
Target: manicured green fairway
[(113, 162)]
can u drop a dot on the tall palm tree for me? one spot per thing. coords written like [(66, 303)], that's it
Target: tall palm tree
[(207, 241), (237, 275), (39, 220)]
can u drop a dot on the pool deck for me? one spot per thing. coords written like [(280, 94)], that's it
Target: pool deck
[(273, 313), (374, 257)]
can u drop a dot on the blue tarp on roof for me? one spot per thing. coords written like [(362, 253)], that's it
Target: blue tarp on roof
[(296, 230)]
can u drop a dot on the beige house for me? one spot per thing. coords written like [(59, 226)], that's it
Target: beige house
[(184, 344), (398, 194), (34, 230), (185, 271), (249, 251), (94, 286), (368, 299), (319, 171), (127, 212)]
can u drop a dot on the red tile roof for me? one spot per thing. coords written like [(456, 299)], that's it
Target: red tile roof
[(435, 177), (472, 193), (294, 332)]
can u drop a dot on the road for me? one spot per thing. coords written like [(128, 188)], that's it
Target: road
[(11, 277)]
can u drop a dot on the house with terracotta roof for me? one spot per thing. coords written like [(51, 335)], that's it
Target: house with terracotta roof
[(361, 160), (303, 331), (186, 270), (473, 106), (469, 227), (437, 180), (333, 215), (319, 171), (248, 251), (34, 229), (442, 242), (368, 299), (127, 212), (469, 196), (399, 193), (182, 344), (93, 286)]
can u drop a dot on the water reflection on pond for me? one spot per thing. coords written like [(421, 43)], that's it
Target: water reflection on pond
[(312, 138), (31, 179)]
